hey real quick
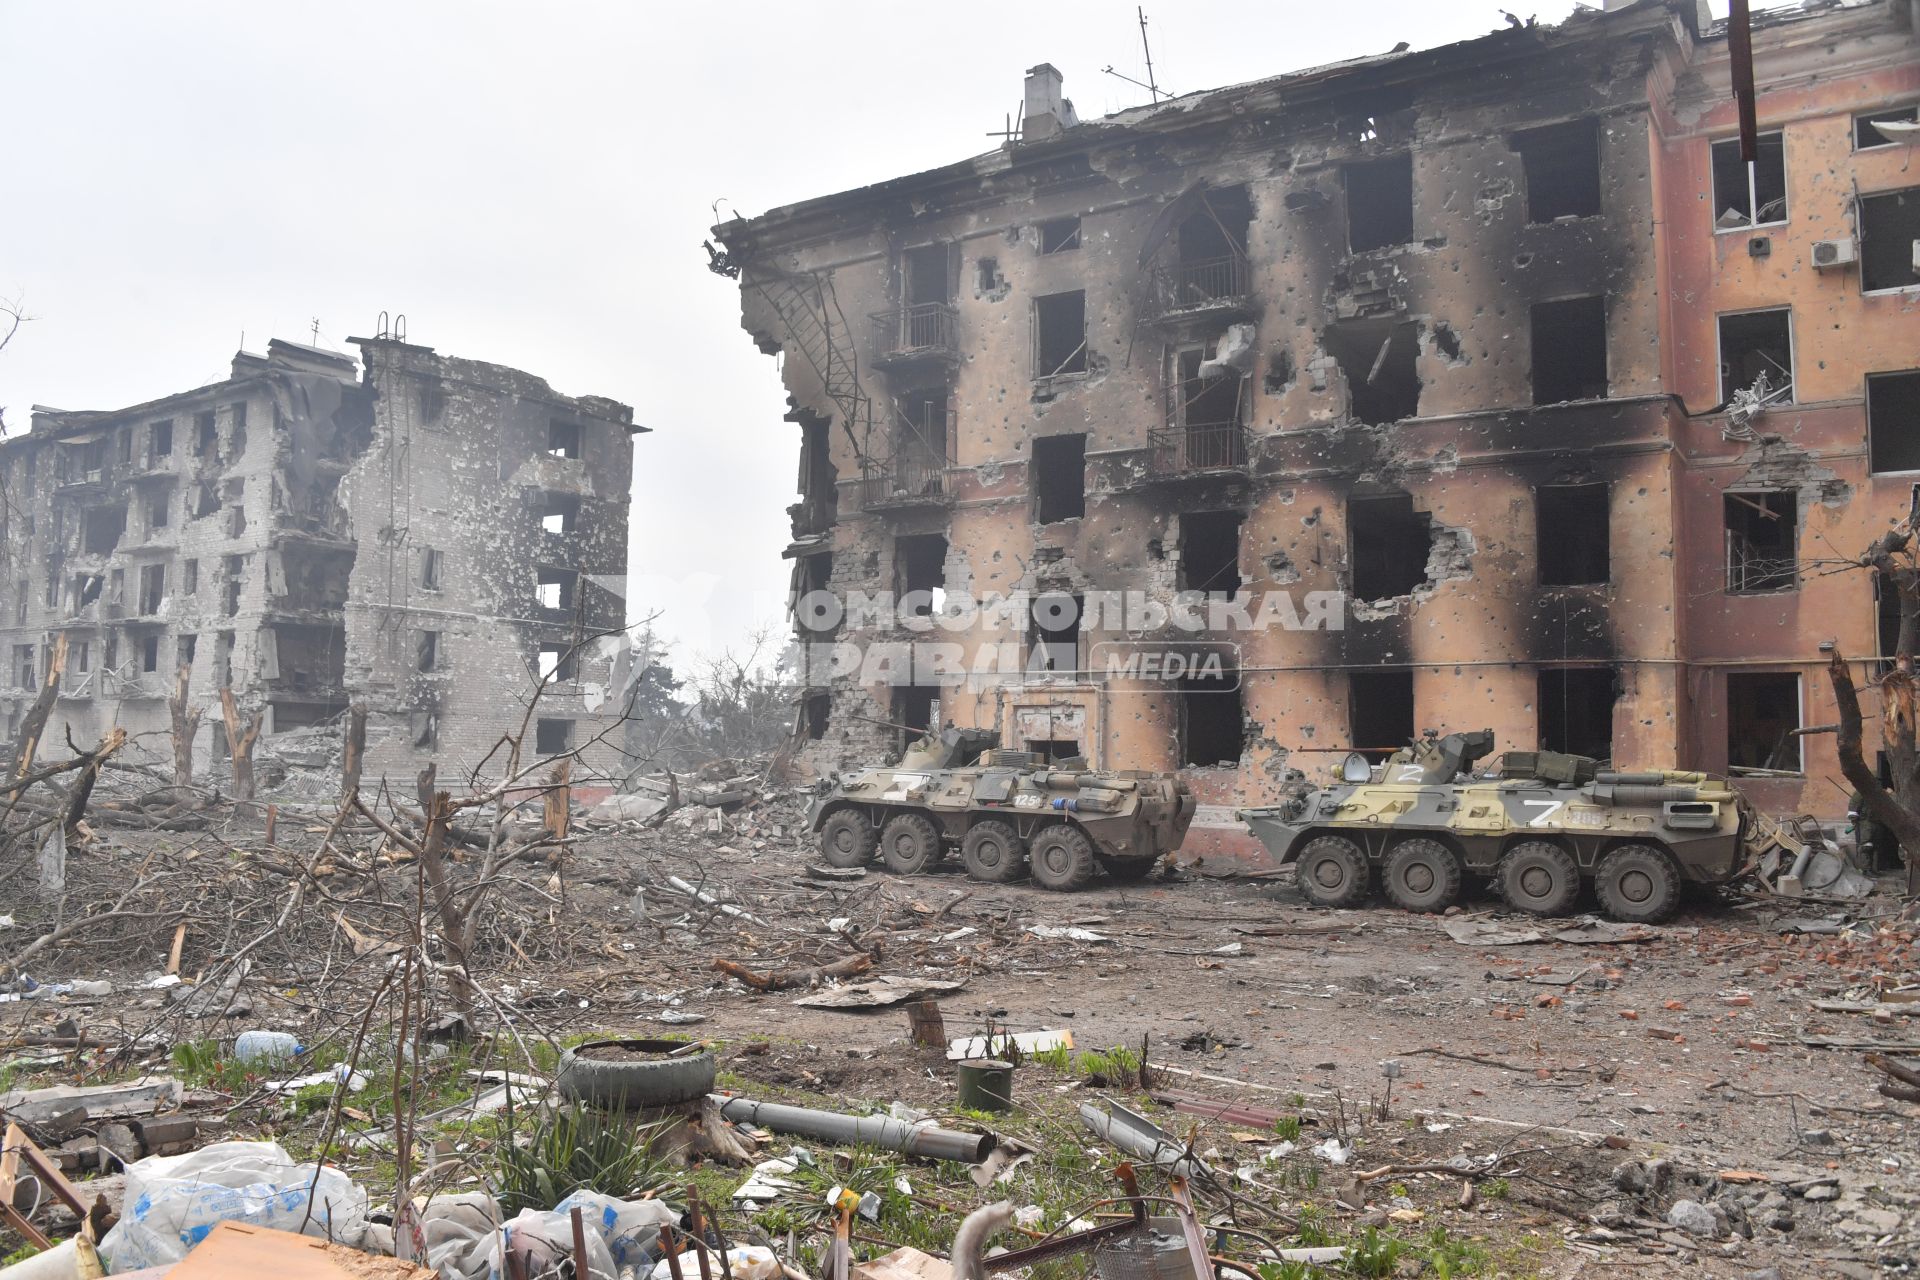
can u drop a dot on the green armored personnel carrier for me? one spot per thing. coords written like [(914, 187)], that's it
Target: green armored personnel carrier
[(1540, 827), (1009, 813)]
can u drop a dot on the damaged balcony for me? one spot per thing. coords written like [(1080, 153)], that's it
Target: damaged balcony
[(1209, 289), (912, 478), (1204, 431), (915, 335), (1202, 448)]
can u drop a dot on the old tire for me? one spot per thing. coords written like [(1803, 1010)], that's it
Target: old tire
[(909, 843), (1332, 872), (847, 839), (1421, 875), (993, 851), (1061, 858), (1540, 878), (1129, 870), (1639, 884), (639, 1081)]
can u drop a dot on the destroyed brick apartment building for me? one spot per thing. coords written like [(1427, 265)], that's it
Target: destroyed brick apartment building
[(416, 534), (1471, 335)]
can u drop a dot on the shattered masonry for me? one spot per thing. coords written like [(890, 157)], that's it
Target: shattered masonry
[(414, 533), (1451, 330)]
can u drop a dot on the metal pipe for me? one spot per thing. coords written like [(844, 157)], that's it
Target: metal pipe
[(875, 1131), (1138, 1136)]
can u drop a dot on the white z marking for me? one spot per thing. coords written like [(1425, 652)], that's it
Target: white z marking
[(1548, 809), (1410, 773)]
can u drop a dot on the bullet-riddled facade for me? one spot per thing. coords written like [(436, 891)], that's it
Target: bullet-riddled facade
[(1448, 338)]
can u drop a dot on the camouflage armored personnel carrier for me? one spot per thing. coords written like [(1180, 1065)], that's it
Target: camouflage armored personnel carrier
[(1009, 812), (1540, 827)]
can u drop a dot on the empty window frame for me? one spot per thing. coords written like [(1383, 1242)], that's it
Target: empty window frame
[(1868, 134), (1569, 350), (1562, 167), (1379, 203), (920, 572), (23, 666), (1886, 615), (916, 709), (426, 651), (563, 438), (153, 588), (815, 713), (1753, 344), (1059, 478), (1059, 235), (1890, 240), (82, 658), (430, 566), (150, 654), (1576, 711), (184, 649), (1377, 360), (157, 509), (1388, 542), (1749, 195), (1379, 712), (927, 272), (103, 529), (206, 435), (1893, 420), (552, 737), (159, 441), (1212, 727), (1055, 750), (1572, 533), (1053, 636), (1210, 552), (555, 660), (554, 587), (232, 571), (1762, 541), (559, 512), (1060, 334), (1763, 710)]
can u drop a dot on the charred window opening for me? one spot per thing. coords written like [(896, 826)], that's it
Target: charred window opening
[(424, 726), (206, 436), (88, 588), (1886, 613), (1562, 166), (206, 501), (433, 404), (1569, 350), (1058, 235), (1893, 420), (1867, 132), (103, 529), (1890, 240), (1279, 371), (1055, 750), (23, 666), (157, 510), (1389, 544), (1060, 334), (554, 587), (559, 512), (1216, 232), (1576, 711), (232, 572), (236, 521), (926, 270), (563, 439), (125, 442), (1753, 343), (1377, 359), (429, 569), (552, 737), (1447, 343), (1212, 727), (153, 588), (159, 441), (149, 654), (555, 660), (1762, 542), (1380, 712), (1749, 195), (1210, 552), (915, 710), (815, 713), (1572, 530), (987, 275), (1763, 710), (1053, 634), (819, 497), (1379, 203), (921, 445), (811, 574), (920, 571), (1059, 478), (222, 666), (426, 650)]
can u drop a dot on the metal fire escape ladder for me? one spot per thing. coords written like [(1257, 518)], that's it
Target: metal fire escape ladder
[(818, 329)]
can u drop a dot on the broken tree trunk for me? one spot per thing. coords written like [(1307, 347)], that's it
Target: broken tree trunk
[(354, 751), (453, 927), (1897, 736), (240, 743), (90, 774), (558, 801), (423, 786), (787, 979), (31, 729), (186, 727)]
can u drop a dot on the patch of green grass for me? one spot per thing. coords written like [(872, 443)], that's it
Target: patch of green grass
[(1312, 1232), (21, 1254), (1288, 1127), (1447, 1256), (1375, 1256), (573, 1148), (1496, 1188)]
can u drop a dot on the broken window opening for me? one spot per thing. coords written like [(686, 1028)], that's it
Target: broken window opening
[(231, 568), (554, 588), (153, 588), (116, 587), (1377, 359), (124, 438), (556, 661), (812, 574), (1053, 634), (236, 521), (429, 569), (1060, 334), (1886, 614), (1753, 343), (425, 728), (1572, 531), (88, 588), (159, 441), (1893, 420), (987, 275), (1059, 235), (1215, 232), (183, 650), (157, 511), (103, 529), (23, 666), (1059, 478), (1569, 350), (1762, 541), (1562, 167), (922, 440), (1279, 371), (1208, 402), (552, 737), (563, 439), (1389, 543), (149, 654), (1213, 730), (206, 501), (815, 713), (1890, 240), (1379, 203), (915, 710), (1867, 133), (920, 572), (1750, 195), (926, 279), (1576, 711), (559, 512), (1055, 750), (1763, 710), (426, 650), (237, 434), (206, 436), (1379, 712), (82, 658), (1210, 552), (223, 665)]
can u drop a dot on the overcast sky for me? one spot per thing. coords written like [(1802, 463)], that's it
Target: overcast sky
[(530, 184)]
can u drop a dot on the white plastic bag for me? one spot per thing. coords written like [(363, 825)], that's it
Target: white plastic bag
[(748, 1262), (618, 1235), (628, 1227), (456, 1233), (173, 1202)]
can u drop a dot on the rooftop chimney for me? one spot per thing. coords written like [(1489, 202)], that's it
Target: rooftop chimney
[(1047, 113)]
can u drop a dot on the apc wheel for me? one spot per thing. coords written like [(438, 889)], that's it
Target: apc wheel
[(1061, 859), (1540, 878), (847, 839), (909, 843), (1639, 884), (1422, 875), (993, 851), (1332, 872), (1128, 870)]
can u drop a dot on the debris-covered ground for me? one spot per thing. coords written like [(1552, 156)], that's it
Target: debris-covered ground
[(1473, 1094)]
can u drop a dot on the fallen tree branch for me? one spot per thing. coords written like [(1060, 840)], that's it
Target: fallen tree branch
[(1904, 1074), (788, 979)]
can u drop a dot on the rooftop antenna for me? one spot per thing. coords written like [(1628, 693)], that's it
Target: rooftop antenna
[(316, 331), (1152, 85), (1011, 133)]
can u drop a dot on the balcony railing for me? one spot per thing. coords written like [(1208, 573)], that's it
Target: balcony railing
[(1205, 446), (922, 332), (1211, 284), (912, 478)]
